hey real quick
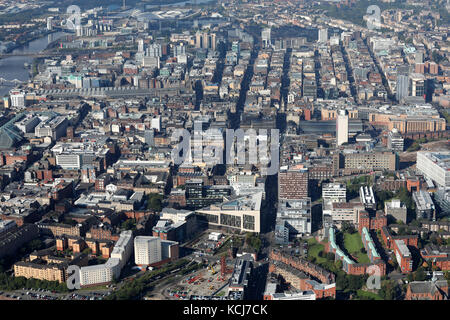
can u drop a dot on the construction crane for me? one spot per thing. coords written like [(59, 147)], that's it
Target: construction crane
[(211, 268), (223, 267)]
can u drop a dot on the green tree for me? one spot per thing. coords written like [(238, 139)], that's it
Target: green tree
[(129, 224), (154, 202), (389, 290), (420, 274)]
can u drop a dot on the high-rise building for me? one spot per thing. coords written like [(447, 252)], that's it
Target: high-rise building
[(323, 35), (295, 215), (50, 23), (199, 40), (342, 127), (179, 50), (395, 141), (205, 40), (425, 208), (402, 89), (417, 84), (154, 50), (266, 37), (149, 136), (141, 45), (147, 250), (293, 184), (235, 47)]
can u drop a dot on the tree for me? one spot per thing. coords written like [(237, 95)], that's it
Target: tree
[(154, 202), (355, 282), (341, 281), (447, 276), (420, 274), (348, 227), (389, 290), (129, 224)]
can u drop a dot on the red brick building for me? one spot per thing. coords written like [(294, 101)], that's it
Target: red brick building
[(427, 290)]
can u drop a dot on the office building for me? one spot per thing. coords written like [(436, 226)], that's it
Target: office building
[(54, 128), (293, 183), (424, 205), (295, 215), (371, 161), (417, 85), (241, 213), (402, 88), (332, 193), (395, 141), (435, 166), (345, 212)]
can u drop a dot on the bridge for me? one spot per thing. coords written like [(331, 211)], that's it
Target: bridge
[(14, 81), (35, 54)]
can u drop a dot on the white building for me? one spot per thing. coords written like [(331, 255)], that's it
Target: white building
[(54, 128), (68, 161), (50, 23), (147, 250), (242, 213), (17, 99), (265, 35), (156, 123), (323, 35), (150, 250), (367, 197), (336, 192), (342, 127), (435, 166), (332, 193), (107, 272), (141, 45)]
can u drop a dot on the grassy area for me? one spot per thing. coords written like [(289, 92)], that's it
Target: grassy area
[(94, 288), (220, 294), (365, 295), (313, 250), (353, 244)]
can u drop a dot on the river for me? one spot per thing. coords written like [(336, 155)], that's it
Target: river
[(13, 67)]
